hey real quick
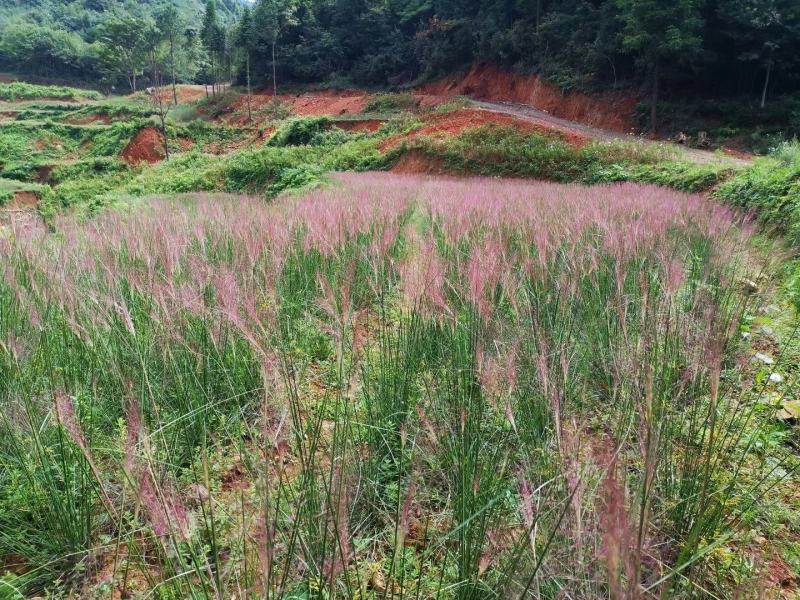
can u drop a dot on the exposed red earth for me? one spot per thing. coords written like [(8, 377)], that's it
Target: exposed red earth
[(485, 82), (146, 146)]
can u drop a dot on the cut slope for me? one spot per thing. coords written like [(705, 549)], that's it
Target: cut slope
[(485, 82)]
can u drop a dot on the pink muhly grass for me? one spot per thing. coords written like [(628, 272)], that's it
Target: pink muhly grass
[(572, 460), (339, 498), (617, 533), (427, 424), (404, 517), (165, 510), (528, 511), (339, 306), (483, 273), (498, 377), (65, 413), (423, 278)]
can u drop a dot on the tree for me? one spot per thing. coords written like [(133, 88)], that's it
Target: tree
[(270, 19), (213, 36), (171, 27), (158, 98), (661, 32), (767, 32), (125, 45), (245, 40)]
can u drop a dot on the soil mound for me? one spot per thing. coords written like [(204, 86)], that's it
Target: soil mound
[(146, 146), (485, 82)]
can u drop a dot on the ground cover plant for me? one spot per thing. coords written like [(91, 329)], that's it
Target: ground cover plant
[(389, 387)]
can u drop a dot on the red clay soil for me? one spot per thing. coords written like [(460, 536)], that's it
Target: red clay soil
[(415, 162), (146, 146), (485, 82), (453, 123), (327, 103), (188, 93), (22, 199), (43, 173)]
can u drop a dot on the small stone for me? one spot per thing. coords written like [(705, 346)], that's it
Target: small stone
[(197, 493), (751, 287), (746, 335), (790, 411), (776, 378), (770, 309), (767, 360)]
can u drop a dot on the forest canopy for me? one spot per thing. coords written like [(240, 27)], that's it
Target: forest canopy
[(742, 47)]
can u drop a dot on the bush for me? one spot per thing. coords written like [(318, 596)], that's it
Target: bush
[(771, 187), (303, 131), (385, 103), (26, 91)]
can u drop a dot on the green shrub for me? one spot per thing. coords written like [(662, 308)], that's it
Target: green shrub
[(90, 167), (295, 178), (686, 177), (771, 187), (23, 91), (391, 102), (303, 131)]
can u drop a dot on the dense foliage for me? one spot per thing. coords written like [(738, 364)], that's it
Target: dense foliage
[(747, 47)]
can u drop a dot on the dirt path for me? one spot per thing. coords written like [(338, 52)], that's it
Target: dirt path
[(540, 117)]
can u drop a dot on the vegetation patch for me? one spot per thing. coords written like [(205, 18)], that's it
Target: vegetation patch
[(25, 91)]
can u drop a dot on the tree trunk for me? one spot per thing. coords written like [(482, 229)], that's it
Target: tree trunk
[(766, 84), (172, 67), (274, 72), (249, 93), (654, 100), (133, 80)]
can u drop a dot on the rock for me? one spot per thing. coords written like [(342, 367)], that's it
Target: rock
[(767, 330), (776, 378), (767, 360), (790, 411), (746, 335)]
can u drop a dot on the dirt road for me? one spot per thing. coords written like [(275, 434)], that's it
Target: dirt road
[(543, 118)]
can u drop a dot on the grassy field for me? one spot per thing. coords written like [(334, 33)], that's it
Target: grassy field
[(392, 386), (234, 373)]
